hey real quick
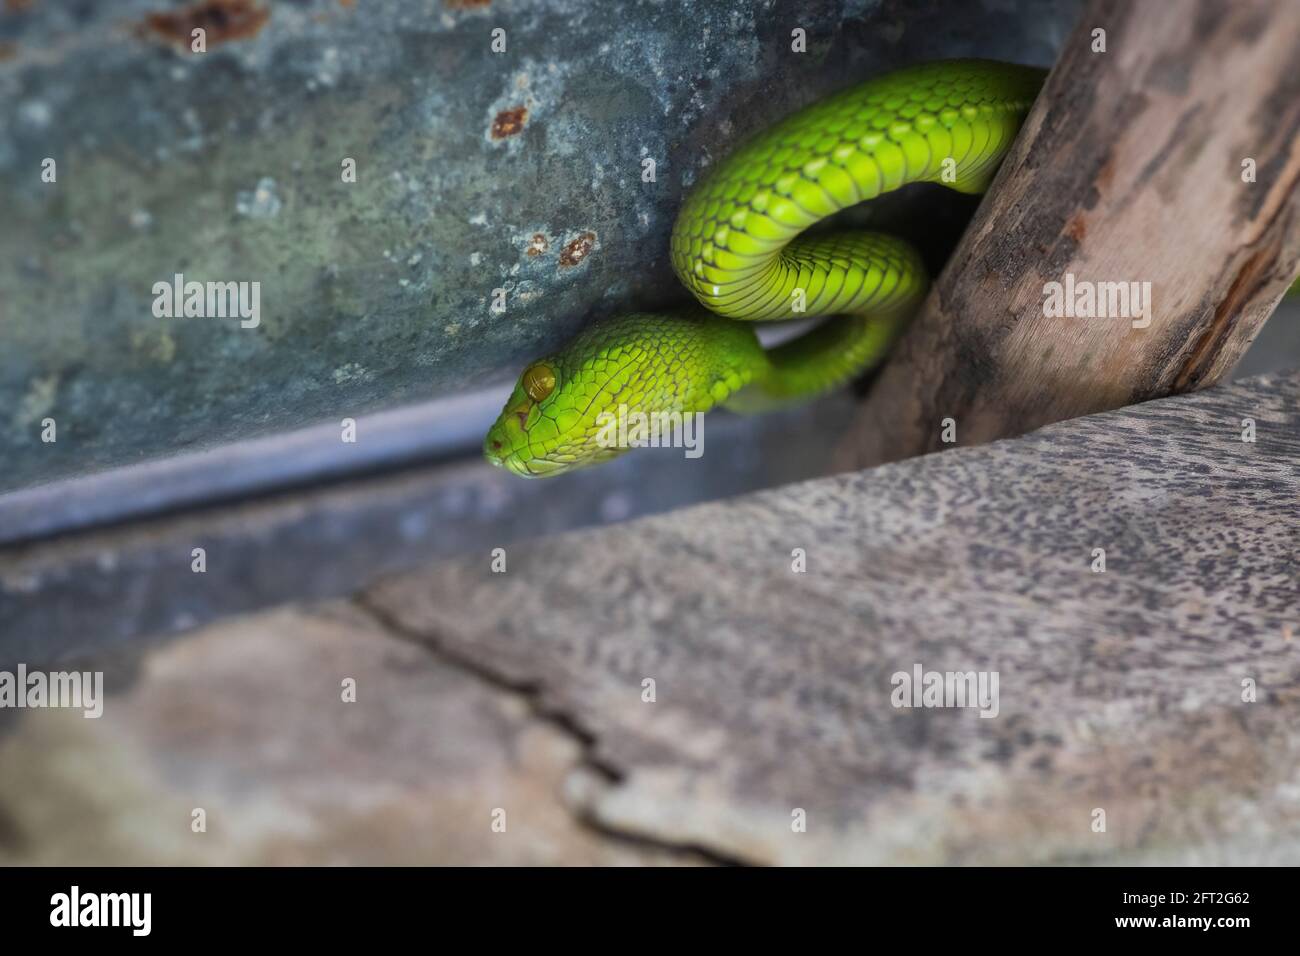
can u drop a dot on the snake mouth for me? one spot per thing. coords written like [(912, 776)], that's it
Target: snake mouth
[(503, 456), (531, 468), (541, 467)]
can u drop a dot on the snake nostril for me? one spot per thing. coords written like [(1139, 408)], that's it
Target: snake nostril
[(496, 446)]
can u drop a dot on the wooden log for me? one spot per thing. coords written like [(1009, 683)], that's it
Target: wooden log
[(1171, 158)]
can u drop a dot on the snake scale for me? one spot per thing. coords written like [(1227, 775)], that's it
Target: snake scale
[(738, 246)]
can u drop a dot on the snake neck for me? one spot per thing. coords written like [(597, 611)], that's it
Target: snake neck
[(831, 355)]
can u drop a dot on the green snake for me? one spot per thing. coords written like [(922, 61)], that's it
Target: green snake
[(738, 246)]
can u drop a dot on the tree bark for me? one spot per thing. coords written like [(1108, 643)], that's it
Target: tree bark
[(1132, 167)]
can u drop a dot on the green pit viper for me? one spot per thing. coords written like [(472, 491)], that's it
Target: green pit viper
[(737, 246)]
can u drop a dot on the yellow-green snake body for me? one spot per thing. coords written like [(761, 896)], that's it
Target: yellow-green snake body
[(738, 245)]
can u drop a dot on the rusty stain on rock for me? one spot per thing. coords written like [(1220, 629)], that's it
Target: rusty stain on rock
[(577, 250), (509, 122), (221, 21), (537, 245)]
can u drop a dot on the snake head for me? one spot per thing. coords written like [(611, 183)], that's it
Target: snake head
[(541, 431), (509, 441), (564, 411)]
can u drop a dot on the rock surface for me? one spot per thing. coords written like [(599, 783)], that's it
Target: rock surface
[(1120, 690), (1164, 690), (247, 723), (474, 171)]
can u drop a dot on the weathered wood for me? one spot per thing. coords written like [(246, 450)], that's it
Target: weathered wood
[(1129, 169), (1120, 690)]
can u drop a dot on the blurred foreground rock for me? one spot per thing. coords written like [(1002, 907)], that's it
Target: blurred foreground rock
[(246, 720), (1119, 691)]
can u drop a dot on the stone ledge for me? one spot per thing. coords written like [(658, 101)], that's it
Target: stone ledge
[(1119, 690)]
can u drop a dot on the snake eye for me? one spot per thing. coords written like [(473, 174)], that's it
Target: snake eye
[(539, 381)]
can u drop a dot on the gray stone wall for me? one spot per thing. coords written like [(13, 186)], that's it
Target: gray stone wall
[(519, 170)]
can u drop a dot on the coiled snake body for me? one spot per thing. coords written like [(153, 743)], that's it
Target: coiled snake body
[(737, 246)]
